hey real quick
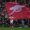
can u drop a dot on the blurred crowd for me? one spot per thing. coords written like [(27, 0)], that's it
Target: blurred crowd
[(4, 18)]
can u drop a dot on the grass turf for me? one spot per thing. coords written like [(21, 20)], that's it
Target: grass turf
[(14, 28)]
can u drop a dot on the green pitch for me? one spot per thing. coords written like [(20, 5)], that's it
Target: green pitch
[(14, 28)]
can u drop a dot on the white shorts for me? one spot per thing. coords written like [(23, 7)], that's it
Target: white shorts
[(11, 21)]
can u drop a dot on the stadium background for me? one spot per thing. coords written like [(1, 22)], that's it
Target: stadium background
[(3, 15)]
